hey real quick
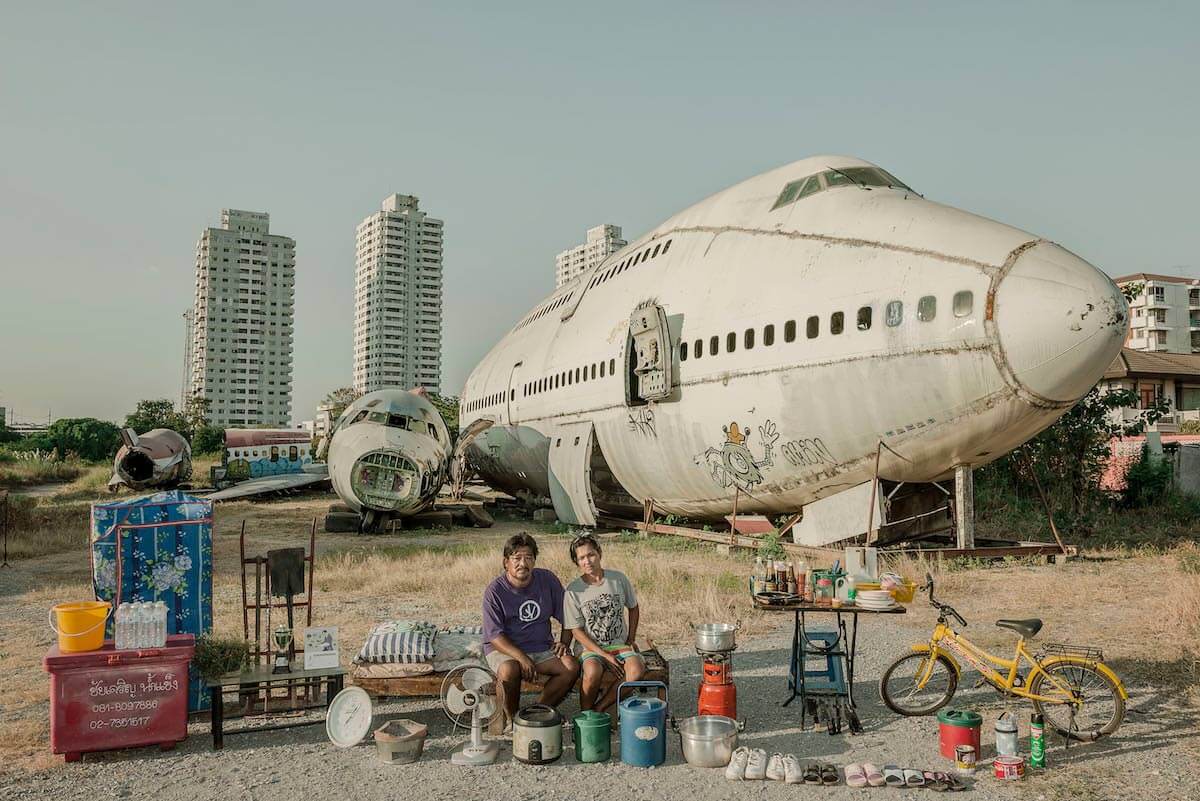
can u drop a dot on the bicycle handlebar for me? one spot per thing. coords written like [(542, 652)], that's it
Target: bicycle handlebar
[(944, 609)]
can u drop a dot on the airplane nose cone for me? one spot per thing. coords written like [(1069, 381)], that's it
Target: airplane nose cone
[(1060, 323)]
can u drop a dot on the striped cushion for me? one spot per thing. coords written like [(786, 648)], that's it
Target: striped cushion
[(398, 642)]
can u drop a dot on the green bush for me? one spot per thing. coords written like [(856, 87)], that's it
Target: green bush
[(1147, 482), (1190, 427), (216, 656)]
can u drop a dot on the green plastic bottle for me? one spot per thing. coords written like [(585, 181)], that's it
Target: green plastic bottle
[(1037, 741)]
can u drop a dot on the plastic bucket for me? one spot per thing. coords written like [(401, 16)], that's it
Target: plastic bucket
[(80, 625), (958, 727), (592, 734)]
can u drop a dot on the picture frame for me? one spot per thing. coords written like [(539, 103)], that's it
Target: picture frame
[(320, 647)]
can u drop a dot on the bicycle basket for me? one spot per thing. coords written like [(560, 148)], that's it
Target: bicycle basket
[(1087, 653)]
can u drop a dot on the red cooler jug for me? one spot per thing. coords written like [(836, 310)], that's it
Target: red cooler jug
[(958, 727)]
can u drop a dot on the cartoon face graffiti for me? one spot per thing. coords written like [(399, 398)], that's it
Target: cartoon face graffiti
[(733, 463)]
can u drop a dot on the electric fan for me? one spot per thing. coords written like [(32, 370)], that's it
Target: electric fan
[(469, 689)]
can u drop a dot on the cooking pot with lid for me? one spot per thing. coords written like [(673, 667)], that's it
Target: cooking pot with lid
[(537, 735)]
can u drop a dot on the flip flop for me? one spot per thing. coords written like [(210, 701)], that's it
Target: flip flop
[(953, 782), (812, 774), (893, 776), (914, 778), (874, 775), (855, 776), (934, 783), (829, 774)]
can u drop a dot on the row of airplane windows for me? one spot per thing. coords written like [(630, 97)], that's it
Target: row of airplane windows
[(565, 378), (961, 304), (545, 310), (630, 261)]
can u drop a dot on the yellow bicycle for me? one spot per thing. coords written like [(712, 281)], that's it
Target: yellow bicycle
[(1079, 696)]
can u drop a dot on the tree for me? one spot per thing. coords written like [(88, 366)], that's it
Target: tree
[(208, 439), (339, 399), (160, 413), (91, 439), (195, 413), (447, 406)]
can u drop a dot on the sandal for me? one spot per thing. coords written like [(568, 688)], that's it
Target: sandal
[(914, 778), (933, 782), (893, 776), (812, 774), (953, 782), (829, 774), (855, 776), (874, 775)]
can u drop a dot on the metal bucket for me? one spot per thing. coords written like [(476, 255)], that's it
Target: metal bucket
[(715, 636)]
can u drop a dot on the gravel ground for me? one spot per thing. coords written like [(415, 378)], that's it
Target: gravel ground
[(1152, 755)]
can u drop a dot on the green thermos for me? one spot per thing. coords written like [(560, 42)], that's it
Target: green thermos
[(592, 734), (1037, 741)]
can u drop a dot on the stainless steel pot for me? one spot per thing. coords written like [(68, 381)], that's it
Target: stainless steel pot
[(707, 741), (715, 636)]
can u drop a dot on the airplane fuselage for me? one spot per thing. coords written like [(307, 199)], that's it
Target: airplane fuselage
[(800, 332)]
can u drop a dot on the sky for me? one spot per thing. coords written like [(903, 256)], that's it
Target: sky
[(125, 128)]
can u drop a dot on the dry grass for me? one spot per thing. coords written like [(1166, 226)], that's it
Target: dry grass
[(26, 473)]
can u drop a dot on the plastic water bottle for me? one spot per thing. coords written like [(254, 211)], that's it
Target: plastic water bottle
[(121, 627), (160, 621), (142, 625)]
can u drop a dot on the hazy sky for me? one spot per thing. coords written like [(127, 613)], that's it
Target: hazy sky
[(126, 127)]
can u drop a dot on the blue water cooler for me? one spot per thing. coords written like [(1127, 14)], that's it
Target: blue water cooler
[(643, 723)]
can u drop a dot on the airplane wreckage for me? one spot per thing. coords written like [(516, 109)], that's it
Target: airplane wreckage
[(780, 344), (387, 456), (159, 458)]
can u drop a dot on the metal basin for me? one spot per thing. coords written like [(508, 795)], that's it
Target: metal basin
[(707, 741), (715, 636)]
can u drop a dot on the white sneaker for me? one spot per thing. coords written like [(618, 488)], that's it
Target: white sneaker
[(775, 769), (792, 770), (756, 765), (736, 770)]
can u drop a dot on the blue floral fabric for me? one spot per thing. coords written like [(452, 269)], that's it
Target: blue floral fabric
[(165, 554)]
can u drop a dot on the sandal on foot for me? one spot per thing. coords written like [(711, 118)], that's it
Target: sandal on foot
[(934, 783), (874, 775), (812, 774), (829, 774), (855, 776), (893, 776), (914, 778)]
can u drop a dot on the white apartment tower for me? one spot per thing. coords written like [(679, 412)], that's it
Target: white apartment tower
[(241, 346), (398, 298), (602, 241), (1165, 316)]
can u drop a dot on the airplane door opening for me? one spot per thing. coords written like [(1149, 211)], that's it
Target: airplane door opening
[(651, 366)]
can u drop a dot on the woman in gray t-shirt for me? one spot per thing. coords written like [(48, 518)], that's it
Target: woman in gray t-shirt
[(594, 607)]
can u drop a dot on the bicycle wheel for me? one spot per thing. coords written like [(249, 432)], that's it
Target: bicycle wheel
[(1099, 707), (899, 685)]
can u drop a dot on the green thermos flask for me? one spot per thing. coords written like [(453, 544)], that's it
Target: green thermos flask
[(1037, 741)]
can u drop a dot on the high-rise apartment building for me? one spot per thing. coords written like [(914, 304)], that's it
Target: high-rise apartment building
[(1165, 316), (241, 345), (602, 241), (398, 298)]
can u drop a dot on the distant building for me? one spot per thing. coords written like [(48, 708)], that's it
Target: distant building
[(602, 241), (1173, 377), (1166, 315), (241, 343), (322, 424), (398, 298)]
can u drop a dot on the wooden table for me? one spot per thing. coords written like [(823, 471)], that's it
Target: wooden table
[(260, 677), (844, 646)]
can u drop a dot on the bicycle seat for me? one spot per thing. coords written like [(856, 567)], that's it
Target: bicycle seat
[(1026, 628)]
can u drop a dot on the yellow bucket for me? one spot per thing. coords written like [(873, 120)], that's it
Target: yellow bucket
[(80, 625)]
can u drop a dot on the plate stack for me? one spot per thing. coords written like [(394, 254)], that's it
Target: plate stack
[(875, 600)]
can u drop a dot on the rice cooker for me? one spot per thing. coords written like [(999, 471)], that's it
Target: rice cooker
[(537, 735)]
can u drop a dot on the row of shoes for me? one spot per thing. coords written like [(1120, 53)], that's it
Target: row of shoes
[(753, 764)]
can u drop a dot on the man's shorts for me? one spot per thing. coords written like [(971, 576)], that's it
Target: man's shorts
[(497, 658), (622, 651)]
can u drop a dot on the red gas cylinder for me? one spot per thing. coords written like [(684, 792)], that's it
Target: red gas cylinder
[(717, 672), (717, 699), (107, 699)]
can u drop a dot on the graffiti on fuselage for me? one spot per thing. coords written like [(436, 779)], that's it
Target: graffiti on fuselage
[(641, 420), (807, 452), (732, 463)]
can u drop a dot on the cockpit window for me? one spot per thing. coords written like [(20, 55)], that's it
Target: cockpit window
[(845, 176)]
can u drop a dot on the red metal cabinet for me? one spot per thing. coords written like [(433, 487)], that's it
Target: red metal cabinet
[(108, 699)]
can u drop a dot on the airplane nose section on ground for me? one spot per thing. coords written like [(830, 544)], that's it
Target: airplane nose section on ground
[(1059, 322)]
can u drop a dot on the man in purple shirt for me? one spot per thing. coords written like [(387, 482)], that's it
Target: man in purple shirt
[(517, 643)]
